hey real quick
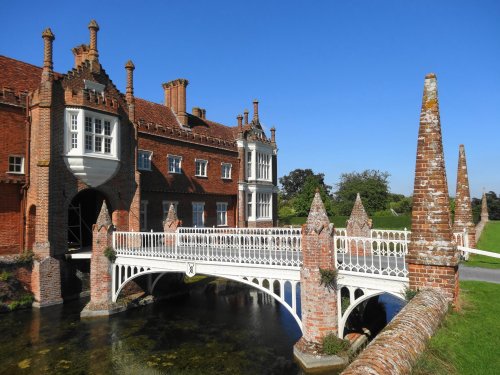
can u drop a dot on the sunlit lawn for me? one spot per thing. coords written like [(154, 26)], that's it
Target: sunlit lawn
[(469, 340), (489, 241)]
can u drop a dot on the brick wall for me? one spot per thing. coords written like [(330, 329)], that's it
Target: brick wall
[(396, 349), (10, 217)]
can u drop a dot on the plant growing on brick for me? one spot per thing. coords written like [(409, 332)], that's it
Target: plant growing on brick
[(333, 345), (110, 253), (329, 278), (5, 276), (408, 294), (26, 257)]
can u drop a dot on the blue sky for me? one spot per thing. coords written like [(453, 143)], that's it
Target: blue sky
[(341, 81)]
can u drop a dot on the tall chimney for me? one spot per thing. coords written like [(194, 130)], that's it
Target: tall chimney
[(175, 98), (48, 38), (94, 28), (129, 93), (203, 113), (255, 110), (273, 134), (240, 121), (245, 116), (196, 112)]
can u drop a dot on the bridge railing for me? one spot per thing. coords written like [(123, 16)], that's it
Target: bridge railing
[(273, 246), (380, 256)]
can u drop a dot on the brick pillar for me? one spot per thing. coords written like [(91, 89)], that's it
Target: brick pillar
[(101, 268), (432, 255), (463, 209), (359, 225), (170, 225), (46, 275), (319, 304)]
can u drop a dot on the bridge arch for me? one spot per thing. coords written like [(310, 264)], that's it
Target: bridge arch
[(367, 294), (122, 274)]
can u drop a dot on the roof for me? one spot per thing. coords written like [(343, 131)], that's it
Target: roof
[(159, 114), (21, 77), (18, 75)]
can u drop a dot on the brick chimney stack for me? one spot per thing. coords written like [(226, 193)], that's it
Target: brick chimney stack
[(94, 28), (196, 112), (273, 134), (175, 98), (240, 122), (81, 53), (48, 66), (432, 254), (203, 113), (129, 92), (245, 116), (255, 111), (463, 208)]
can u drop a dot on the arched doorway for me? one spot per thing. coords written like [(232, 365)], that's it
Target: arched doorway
[(82, 214)]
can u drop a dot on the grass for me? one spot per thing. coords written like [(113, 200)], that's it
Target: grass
[(469, 339), (489, 241), (379, 222)]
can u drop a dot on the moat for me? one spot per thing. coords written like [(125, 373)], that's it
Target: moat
[(234, 331)]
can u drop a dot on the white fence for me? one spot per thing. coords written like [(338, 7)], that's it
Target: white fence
[(273, 246), (382, 254)]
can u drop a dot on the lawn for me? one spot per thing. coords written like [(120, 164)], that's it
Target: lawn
[(469, 340), (379, 222), (489, 241)]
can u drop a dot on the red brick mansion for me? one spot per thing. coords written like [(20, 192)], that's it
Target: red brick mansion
[(71, 141)]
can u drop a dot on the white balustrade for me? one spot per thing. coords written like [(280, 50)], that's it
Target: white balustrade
[(271, 246)]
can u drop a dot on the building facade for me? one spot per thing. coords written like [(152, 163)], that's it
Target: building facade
[(73, 140)]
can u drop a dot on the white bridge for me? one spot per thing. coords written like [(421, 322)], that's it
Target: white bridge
[(268, 259)]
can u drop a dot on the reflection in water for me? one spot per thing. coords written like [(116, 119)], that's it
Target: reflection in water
[(237, 331)]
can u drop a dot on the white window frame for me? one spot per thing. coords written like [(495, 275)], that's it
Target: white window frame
[(203, 167), (143, 215), (174, 158), (249, 161), (196, 211), (263, 206), (166, 207), (75, 134), (17, 162), (221, 214), (144, 163), (249, 205), (226, 167), (263, 166)]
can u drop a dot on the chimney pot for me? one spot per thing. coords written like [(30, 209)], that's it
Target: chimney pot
[(256, 109), (94, 28), (203, 113), (129, 93), (240, 121), (245, 113), (48, 38)]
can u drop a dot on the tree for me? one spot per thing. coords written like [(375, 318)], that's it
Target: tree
[(372, 185), (301, 202), (292, 183)]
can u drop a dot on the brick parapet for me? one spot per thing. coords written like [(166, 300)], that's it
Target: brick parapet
[(396, 349)]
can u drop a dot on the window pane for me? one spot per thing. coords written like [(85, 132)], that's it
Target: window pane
[(98, 126), (74, 140), (98, 144), (107, 145), (88, 124), (88, 142), (107, 128)]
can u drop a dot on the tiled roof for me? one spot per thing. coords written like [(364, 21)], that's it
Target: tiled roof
[(18, 75), (158, 114)]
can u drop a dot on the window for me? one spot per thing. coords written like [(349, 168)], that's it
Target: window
[(88, 132), (263, 166), (174, 164), (16, 164), (221, 213), (263, 205), (249, 164), (144, 160), (143, 215), (201, 168), (166, 207), (98, 138), (198, 208), (226, 170), (249, 204)]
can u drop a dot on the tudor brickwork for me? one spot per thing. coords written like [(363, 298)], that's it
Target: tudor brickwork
[(432, 254)]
